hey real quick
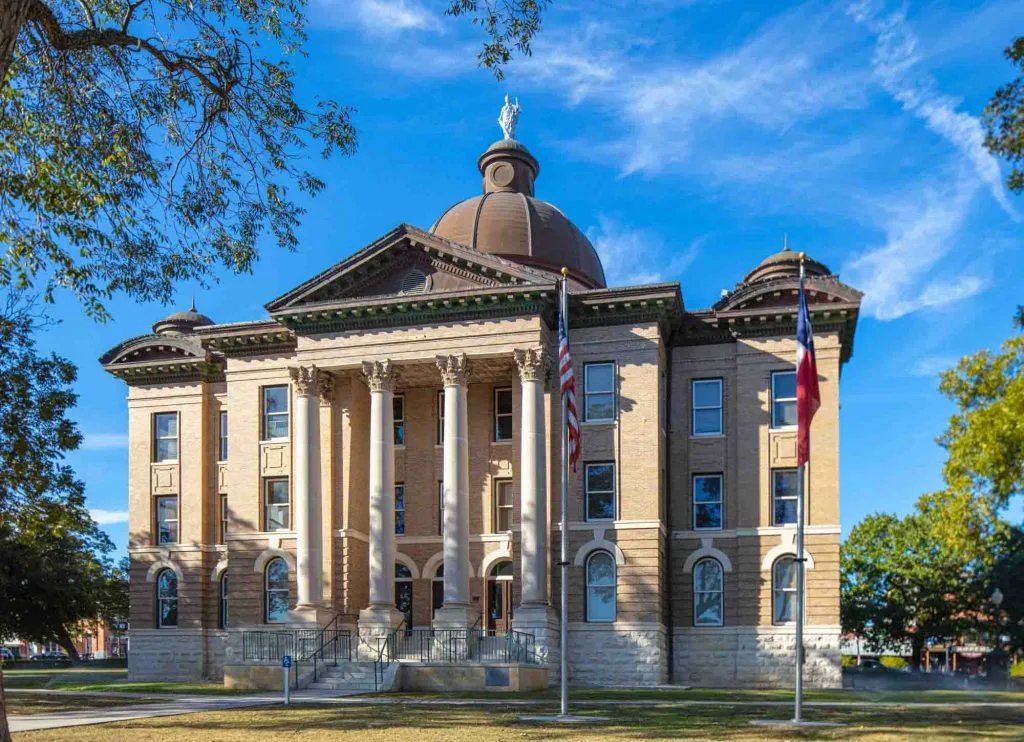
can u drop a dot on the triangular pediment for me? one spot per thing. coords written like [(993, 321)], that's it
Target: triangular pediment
[(406, 262)]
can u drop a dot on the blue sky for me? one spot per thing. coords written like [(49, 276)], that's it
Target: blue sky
[(685, 139)]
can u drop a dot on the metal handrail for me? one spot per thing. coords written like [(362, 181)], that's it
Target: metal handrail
[(387, 642), (319, 646)]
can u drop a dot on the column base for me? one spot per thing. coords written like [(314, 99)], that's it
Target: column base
[(317, 614), (457, 616), (541, 621), (376, 622)]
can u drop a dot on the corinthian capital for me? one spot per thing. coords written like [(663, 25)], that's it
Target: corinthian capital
[(532, 362), (454, 369), (325, 388), (380, 375), (305, 379)]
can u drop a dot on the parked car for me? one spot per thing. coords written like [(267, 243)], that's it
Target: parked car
[(50, 656), (871, 664), (7, 654)]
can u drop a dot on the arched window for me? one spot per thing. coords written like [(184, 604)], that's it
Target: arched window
[(437, 590), (222, 621), (499, 597), (784, 579), (600, 600), (707, 593), (275, 590), (403, 592), (166, 599)]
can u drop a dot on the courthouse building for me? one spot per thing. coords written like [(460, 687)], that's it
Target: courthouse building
[(383, 451)]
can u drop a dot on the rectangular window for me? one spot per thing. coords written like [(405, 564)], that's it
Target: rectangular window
[(598, 392), (707, 406), (223, 437), (600, 491), (276, 505), (440, 417), (398, 408), (167, 520), (223, 518), (275, 412), (502, 505), (399, 509), (784, 496), (165, 436), (502, 415), (784, 399), (440, 508), (707, 501)]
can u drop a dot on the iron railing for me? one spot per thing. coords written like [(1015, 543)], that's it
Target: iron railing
[(327, 645)]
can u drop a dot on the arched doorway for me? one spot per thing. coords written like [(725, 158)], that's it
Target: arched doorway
[(437, 590), (499, 597)]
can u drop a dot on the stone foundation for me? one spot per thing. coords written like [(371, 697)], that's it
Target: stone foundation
[(186, 655), (755, 657), (617, 654)]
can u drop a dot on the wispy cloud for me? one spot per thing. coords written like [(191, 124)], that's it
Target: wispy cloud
[(933, 365), (633, 256), (376, 17), (109, 517), (895, 64), (903, 275), (103, 441)]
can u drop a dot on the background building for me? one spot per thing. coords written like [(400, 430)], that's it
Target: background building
[(385, 447)]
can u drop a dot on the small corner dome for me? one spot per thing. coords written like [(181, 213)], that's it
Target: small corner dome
[(181, 323), (785, 264), (509, 222)]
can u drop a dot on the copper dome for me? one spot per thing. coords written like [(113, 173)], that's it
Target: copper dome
[(785, 263), (181, 323), (509, 222)]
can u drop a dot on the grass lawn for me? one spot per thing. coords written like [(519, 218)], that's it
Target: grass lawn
[(85, 679), (35, 703), (347, 723)]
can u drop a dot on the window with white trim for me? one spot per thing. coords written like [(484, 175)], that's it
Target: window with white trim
[(707, 406), (398, 410), (784, 399), (784, 581), (222, 454), (276, 504), (502, 415), (223, 616), (166, 599), (598, 392), (784, 496), (275, 591), (275, 412), (502, 505), (440, 417), (223, 518), (708, 591), (165, 436), (600, 596), (440, 508), (599, 491), (167, 519), (707, 501), (399, 509)]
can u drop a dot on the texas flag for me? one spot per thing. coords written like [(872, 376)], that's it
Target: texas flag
[(808, 399)]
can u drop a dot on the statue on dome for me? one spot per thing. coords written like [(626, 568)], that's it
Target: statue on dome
[(508, 118)]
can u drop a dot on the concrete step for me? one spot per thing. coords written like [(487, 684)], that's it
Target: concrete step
[(328, 684)]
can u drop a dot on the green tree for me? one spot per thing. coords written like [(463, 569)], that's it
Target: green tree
[(908, 580), (143, 142), (1006, 574), (1004, 119), (985, 438)]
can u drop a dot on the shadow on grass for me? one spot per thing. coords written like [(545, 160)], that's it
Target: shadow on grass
[(429, 723)]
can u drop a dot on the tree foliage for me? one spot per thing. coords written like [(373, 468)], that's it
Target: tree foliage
[(1004, 119), (985, 438), (907, 580), (143, 142)]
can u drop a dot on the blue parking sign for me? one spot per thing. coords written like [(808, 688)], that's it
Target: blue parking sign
[(286, 661)]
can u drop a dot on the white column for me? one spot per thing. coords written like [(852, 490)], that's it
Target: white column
[(306, 486), (533, 490), (381, 378), (456, 609)]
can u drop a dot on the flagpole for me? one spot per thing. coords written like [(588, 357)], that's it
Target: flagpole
[(564, 563), (798, 640)]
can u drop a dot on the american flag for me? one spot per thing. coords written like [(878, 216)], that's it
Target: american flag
[(568, 391), (808, 397)]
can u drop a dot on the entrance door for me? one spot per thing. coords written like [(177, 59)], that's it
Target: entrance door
[(499, 598), (403, 593)]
